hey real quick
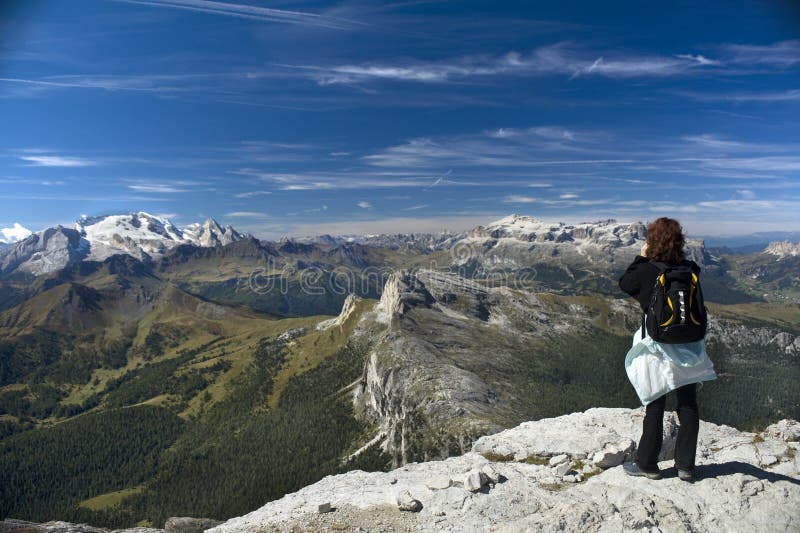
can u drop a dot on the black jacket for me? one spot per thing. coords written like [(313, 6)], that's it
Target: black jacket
[(640, 278)]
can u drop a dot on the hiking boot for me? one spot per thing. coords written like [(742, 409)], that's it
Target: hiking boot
[(685, 475), (632, 469)]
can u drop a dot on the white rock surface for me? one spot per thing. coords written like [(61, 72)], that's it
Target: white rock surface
[(787, 430), (783, 249), (732, 493)]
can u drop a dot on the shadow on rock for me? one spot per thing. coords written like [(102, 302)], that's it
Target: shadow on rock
[(737, 467)]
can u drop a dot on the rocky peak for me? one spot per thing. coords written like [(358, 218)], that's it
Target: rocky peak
[(529, 229), (210, 233), (783, 249), (44, 252), (348, 308), (402, 291)]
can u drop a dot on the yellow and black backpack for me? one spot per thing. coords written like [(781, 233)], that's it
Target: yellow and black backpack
[(677, 313)]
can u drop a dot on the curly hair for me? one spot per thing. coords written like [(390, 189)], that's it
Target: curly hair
[(665, 240)]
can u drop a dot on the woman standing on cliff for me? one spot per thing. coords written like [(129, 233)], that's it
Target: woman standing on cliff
[(656, 368)]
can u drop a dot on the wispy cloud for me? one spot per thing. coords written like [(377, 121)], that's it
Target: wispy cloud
[(246, 214), (780, 54), (519, 199), (746, 194), (415, 207), (789, 95), (156, 188), (251, 194), (560, 58), (477, 150), (708, 141), (57, 161), (363, 204), (336, 179), (109, 82), (245, 11)]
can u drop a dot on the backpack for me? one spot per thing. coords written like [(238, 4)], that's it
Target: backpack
[(677, 313)]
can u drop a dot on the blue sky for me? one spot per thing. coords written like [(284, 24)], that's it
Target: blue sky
[(296, 118)]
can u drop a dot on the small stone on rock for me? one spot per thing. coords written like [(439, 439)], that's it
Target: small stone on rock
[(562, 469), (491, 473), (405, 502), (767, 460), (558, 459), (609, 457), (475, 480)]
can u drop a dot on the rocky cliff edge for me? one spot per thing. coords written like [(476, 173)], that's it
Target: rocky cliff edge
[(561, 474)]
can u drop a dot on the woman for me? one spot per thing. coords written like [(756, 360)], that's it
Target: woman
[(665, 242)]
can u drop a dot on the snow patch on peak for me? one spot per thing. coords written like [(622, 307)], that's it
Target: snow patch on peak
[(529, 229), (783, 249), (15, 233), (211, 233)]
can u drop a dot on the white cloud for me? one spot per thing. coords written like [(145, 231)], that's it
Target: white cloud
[(703, 60), (343, 179), (519, 199), (251, 194), (364, 205), (415, 207), (746, 194), (553, 132), (15, 233), (56, 161), (155, 188), (568, 196), (478, 150), (559, 58), (246, 214), (780, 54)]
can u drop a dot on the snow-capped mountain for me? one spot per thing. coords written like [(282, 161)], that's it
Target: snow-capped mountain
[(136, 234), (13, 234), (529, 229), (140, 234), (783, 249), (519, 241), (210, 233)]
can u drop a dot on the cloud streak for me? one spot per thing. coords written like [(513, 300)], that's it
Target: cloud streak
[(262, 14), (560, 58), (57, 161)]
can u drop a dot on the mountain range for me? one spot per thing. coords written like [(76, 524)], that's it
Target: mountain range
[(140, 235), (201, 371)]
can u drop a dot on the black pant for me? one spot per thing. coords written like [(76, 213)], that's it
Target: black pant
[(652, 431)]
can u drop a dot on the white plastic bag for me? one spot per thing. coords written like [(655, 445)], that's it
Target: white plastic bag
[(656, 368)]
